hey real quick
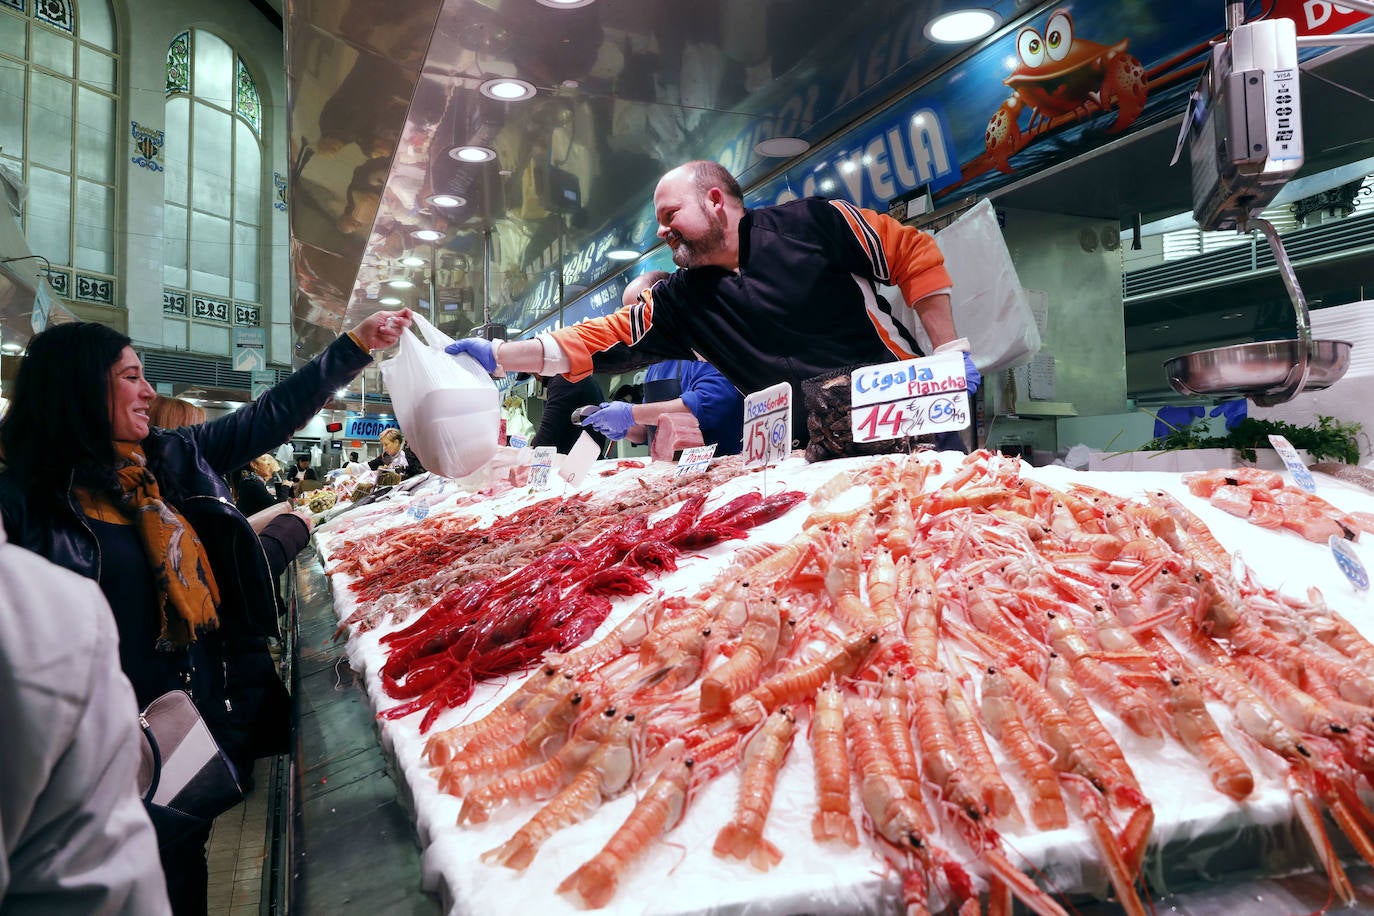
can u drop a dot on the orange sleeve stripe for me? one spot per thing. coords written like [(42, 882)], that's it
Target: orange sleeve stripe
[(581, 341), (862, 234), (918, 267), (893, 346)]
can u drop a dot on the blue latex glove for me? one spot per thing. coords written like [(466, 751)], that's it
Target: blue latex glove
[(613, 420), (1233, 411), (478, 348), (972, 377)]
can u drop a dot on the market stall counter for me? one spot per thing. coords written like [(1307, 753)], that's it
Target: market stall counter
[(634, 695)]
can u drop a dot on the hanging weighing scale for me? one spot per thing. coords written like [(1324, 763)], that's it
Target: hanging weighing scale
[(1243, 133)]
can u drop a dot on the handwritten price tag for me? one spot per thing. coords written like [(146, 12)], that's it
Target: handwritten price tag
[(1301, 475), (768, 425), (539, 467), (909, 398), (694, 460)]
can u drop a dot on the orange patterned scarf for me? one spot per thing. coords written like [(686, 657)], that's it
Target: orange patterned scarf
[(181, 570)]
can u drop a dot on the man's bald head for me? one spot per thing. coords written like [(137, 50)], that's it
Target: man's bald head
[(639, 284)]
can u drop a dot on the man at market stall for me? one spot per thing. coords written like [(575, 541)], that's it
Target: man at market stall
[(675, 386), (779, 293)]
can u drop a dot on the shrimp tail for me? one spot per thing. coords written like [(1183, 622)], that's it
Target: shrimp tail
[(834, 825)]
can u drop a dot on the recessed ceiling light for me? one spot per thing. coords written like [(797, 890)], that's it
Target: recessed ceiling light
[(565, 4), (472, 153), (622, 254), (447, 200), (11, 348), (781, 147), (341, 393), (507, 89), (413, 261), (428, 235), (399, 283), (389, 300), (962, 25), (1230, 315)]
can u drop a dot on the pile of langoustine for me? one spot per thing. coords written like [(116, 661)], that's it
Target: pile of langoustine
[(912, 632)]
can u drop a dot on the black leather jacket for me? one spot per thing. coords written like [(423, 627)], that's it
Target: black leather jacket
[(188, 464)]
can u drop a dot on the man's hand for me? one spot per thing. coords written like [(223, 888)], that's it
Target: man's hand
[(478, 348), (613, 420), (972, 376), (381, 330)]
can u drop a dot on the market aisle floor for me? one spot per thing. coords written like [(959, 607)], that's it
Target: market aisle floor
[(238, 849)]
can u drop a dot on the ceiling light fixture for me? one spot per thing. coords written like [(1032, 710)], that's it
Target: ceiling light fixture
[(507, 89), (428, 235), (962, 25), (565, 4), (472, 153), (389, 300), (11, 348), (622, 254), (399, 283), (413, 261), (447, 200), (781, 147)]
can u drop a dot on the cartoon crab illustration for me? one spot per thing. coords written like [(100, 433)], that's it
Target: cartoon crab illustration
[(1061, 79)]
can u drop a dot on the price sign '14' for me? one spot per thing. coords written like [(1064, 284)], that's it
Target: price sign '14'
[(909, 398), (768, 425)]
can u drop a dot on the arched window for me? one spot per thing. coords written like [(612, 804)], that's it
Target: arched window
[(58, 133), (212, 218)]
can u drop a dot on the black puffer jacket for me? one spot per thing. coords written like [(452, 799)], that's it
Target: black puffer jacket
[(233, 681)]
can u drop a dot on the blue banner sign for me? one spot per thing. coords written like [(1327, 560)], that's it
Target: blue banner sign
[(367, 427)]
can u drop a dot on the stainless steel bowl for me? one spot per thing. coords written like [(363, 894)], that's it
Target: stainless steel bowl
[(1257, 369)]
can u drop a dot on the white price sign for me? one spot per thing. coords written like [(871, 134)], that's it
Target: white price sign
[(909, 398), (768, 425), (539, 467), (1301, 475), (695, 459)]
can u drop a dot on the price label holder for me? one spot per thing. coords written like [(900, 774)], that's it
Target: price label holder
[(768, 425), (580, 459), (1348, 561), (695, 460), (540, 466), (909, 398), (1301, 475)]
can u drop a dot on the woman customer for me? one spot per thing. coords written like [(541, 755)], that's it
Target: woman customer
[(256, 491), (144, 513), (396, 456)]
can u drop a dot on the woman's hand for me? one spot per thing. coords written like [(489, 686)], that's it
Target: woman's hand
[(381, 330)]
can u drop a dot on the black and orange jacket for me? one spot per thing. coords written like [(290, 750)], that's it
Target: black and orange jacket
[(803, 302)]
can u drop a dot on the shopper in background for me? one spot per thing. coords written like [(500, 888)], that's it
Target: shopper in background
[(781, 293), (257, 491), (77, 839), (396, 456), (174, 413), (675, 386), (143, 512), (283, 536), (561, 398)]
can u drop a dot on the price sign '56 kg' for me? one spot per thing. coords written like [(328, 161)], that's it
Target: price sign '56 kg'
[(910, 398), (768, 425)]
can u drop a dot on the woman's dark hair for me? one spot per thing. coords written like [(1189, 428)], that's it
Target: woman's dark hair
[(58, 420)]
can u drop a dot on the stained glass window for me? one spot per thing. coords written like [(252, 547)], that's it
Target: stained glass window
[(179, 64), (59, 131), (212, 215), (246, 101)]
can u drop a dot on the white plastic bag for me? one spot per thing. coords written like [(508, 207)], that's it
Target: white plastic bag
[(989, 304), (448, 407)]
